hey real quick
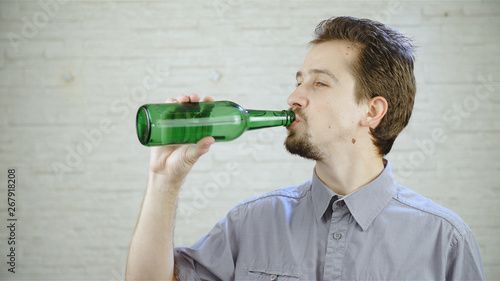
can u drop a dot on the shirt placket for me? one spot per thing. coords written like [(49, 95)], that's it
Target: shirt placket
[(336, 246)]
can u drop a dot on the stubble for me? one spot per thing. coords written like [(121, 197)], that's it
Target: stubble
[(301, 144)]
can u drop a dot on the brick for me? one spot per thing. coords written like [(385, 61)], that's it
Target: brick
[(459, 19), (442, 8), (9, 10), (41, 112), (43, 77), (25, 48), (481, 9), (64, 50), (11, 77), (424, 34), (475, 35), (405, 14), (454, 65), (2, 60)]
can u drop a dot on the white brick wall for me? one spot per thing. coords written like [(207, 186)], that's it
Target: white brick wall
[(77, 64)]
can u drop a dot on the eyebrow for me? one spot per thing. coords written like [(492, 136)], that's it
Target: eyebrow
[(318, 71)]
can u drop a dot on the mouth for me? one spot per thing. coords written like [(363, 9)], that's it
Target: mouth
[(294, 123)]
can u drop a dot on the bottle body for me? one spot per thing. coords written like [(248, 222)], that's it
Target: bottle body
[(174, 123)]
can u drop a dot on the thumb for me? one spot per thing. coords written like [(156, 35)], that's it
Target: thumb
[(202, 147)]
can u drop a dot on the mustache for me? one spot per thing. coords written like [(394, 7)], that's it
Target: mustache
[(298, 113)]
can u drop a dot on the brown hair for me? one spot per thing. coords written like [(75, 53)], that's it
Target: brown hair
[(384, 67)]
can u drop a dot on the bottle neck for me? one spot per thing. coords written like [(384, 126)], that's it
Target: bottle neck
[(258, 119)]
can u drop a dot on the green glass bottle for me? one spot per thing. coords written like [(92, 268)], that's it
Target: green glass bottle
[(174, 123)]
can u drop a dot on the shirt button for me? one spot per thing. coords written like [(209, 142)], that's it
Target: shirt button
[(274, 277), (337, 235)]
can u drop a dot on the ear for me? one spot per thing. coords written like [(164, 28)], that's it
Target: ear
[(377, 108)]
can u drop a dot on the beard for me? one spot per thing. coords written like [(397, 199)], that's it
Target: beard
[(302, 145)]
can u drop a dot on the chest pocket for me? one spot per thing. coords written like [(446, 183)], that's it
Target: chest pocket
[(273, 275)]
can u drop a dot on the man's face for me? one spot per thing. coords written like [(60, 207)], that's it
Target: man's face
[(328, 115)]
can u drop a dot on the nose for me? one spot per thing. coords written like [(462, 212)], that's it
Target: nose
[(298, 98)]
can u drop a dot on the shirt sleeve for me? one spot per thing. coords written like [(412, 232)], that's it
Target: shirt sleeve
[(464, 261), (213, 257)]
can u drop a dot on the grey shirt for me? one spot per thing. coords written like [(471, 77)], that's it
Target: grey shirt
[(382, 231)]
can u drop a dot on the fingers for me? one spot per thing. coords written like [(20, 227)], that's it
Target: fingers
[(190, 98), (171, 100), (208, 99), (206, 142), (184, 98), (202, 147)]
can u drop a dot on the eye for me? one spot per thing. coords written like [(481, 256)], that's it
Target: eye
[(298, 84), (320, 84)]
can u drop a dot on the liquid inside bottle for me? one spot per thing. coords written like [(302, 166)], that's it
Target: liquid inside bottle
[(174, 123)]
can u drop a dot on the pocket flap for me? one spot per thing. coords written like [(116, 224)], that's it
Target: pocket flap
[(273, 274)]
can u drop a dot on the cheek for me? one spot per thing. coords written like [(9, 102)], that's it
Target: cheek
[(334, 116), (326, 118), (343, 120), (339, 116)]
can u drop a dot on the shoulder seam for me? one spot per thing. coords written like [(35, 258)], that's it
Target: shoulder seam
[(276, 193), (461, 230)]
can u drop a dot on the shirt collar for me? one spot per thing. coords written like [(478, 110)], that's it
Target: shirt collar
[(321, 196), (364, 204)]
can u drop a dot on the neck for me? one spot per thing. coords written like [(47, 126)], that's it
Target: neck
[(346, 173)]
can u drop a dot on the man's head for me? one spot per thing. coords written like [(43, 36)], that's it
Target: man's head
[(379, 60)]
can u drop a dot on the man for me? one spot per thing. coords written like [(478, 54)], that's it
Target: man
[(354, 95)]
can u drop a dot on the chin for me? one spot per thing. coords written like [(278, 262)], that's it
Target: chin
[(301, 146)]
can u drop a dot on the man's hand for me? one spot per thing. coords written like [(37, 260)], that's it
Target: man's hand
[(151, 254), (175, 161)]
